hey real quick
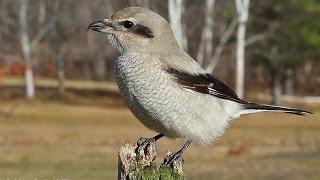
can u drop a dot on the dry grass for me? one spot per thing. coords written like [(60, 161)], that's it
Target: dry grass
[(51, 83), (55, 140)]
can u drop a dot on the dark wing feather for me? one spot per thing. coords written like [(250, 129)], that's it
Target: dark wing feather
[(204, 83), (208, 84)]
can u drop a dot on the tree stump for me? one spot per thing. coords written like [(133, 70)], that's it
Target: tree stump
[(134, 165)]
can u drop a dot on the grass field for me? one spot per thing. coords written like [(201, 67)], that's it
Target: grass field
[(54, 140), (77, 137)]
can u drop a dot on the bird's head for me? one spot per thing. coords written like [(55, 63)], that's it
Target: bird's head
[(136, 29)]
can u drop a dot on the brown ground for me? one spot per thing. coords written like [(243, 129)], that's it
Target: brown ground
[(78, 138), (45, 139)]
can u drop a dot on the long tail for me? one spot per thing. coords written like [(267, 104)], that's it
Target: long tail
[(254, 107)]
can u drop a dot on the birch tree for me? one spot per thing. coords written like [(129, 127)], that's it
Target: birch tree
[(27, 45), (176, 9), (57, 55), (243, 13), (205, 46), (42, 13), (26, 50)]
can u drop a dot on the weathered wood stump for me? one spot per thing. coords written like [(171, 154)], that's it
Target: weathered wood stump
[(133, 165)]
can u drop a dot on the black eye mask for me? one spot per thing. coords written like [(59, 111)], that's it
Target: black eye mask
[(142, 31), (138, 29)]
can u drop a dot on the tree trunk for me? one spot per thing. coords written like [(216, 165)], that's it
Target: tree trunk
[(61, 77), (205, 46), (240, 60), (308, 68), (26, 50), (289, 83), (276, 86), (133, 165), (176, 9), (42, 13), (30, 89), (57, 56), (243, 12), (100, 66)]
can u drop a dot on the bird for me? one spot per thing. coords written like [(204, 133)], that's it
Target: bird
[(166, 89)]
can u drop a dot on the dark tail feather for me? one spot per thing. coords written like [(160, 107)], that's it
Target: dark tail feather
[(253, 107)]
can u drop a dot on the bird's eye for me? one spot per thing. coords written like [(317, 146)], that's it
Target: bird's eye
[(128, 24)]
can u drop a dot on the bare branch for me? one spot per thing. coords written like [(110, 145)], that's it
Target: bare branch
[(255, 38), (223, 40), (42, 32)]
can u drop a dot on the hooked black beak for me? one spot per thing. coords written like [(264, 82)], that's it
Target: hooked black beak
[(96, 26), (101, 26)]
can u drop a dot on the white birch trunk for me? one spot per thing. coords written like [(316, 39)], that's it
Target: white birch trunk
[(240, 60), (205, 46), (176, 9), (26, 50), (30, 89), (243, 12), (42, 13)]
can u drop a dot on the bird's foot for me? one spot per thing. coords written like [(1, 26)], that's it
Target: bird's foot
[(146, 147), (173, 158)]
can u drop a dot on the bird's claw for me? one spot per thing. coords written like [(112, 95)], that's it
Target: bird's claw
[(146, 147), (170, 159)]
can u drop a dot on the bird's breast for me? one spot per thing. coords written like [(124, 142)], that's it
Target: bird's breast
[(144, 87)]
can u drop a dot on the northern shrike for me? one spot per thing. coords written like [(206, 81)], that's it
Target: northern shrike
[(167, 90)]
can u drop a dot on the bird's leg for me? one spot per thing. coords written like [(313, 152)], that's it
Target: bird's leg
[(147, 146), (168, 160)]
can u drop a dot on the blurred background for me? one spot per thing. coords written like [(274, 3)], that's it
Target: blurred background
[(62, 117)]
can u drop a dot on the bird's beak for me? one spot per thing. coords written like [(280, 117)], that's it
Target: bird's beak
[(102, 26)]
